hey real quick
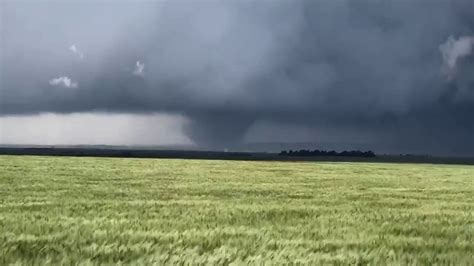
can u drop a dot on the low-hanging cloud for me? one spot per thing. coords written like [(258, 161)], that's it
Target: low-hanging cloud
[(63, 82), (453, 49), (75, 51), (139, 68), (226, 64)]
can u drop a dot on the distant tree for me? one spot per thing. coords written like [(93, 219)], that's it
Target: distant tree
[(309, 153)]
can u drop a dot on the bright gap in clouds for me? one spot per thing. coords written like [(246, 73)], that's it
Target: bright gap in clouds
[(94, 129)]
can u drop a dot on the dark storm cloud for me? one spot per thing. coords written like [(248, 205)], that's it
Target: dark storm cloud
[(345, 64)]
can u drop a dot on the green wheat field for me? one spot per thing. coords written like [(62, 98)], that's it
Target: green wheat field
[(88, 211)]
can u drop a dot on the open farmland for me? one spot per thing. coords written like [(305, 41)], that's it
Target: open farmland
[(154, 211)]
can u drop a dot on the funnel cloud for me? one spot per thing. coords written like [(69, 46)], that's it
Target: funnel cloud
[(401, 70)]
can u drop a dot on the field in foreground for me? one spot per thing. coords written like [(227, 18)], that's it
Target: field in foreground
[(148, 211)]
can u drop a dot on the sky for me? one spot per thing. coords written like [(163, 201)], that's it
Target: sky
[(394, 76)]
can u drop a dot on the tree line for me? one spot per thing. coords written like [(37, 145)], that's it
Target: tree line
[(314, 153)]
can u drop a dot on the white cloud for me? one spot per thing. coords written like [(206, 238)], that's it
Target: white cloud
[(64, 82), (73, 48), (454, 49), (139, 67)]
